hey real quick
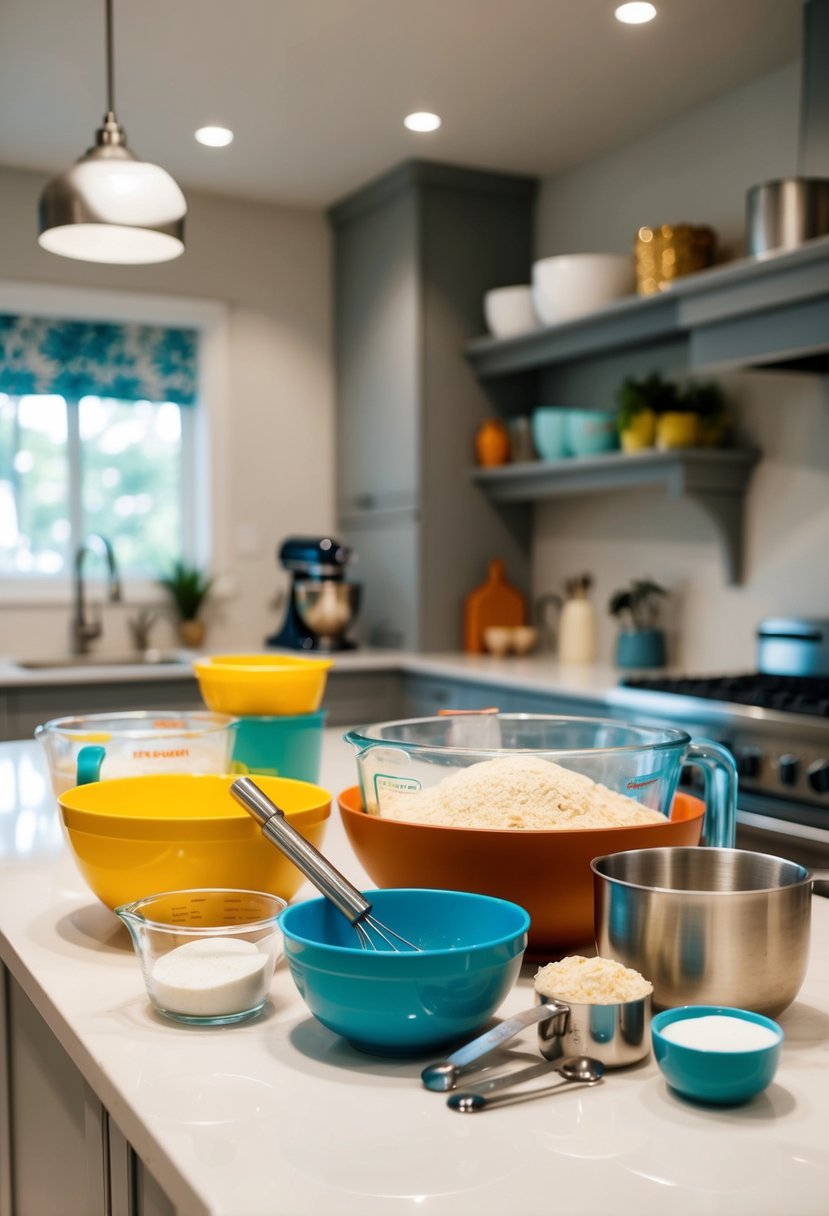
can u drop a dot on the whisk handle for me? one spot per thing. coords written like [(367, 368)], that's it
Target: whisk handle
[(325, 877)]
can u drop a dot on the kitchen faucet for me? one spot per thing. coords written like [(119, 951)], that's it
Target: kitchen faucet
[(83, 631)]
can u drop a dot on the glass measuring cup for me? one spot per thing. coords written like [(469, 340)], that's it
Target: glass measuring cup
[(208, 954), (644, 763), (136, 742)]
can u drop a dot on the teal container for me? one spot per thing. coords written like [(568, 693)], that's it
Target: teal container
[(280, 746)]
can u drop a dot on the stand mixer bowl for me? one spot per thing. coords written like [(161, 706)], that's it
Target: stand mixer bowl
[(327, 608)]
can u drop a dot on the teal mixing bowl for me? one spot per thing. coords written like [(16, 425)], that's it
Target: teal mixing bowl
[(409, 1003), (723, 1066)]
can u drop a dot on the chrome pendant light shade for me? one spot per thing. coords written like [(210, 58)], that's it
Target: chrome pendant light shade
[(109, 206)]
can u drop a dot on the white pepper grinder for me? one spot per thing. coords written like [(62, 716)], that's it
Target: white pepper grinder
[(577, 628)]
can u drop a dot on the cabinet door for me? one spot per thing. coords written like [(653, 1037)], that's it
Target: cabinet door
[(377, 346), (28, 707), (57, 1143), (388, 567)]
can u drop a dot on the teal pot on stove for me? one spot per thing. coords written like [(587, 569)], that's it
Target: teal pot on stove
[(640, 648)]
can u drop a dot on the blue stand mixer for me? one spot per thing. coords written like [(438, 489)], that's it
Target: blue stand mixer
[(322, 604)]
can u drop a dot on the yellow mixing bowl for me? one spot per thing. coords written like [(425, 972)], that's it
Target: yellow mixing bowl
[(135, 836), (262, 683)]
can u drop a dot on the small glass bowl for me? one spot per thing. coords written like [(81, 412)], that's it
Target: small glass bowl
[(207, 955)]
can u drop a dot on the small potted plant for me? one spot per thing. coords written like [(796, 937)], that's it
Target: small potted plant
[(707, 401), (188, 587), (641, 404), (641, 643)]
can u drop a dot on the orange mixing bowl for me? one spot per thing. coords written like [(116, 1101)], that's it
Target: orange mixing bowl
[(547, 872)]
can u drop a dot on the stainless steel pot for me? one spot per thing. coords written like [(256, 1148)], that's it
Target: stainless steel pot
[(706, 926), (785, 213), (793, 646)]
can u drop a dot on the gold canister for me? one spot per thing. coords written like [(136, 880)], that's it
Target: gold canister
[(670, 250)]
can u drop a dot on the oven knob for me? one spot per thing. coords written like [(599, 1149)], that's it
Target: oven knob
[(748, 761), (788, 769), (818, 776)]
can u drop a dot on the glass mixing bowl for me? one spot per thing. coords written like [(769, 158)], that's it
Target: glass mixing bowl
[(644, 763), (135, 742)]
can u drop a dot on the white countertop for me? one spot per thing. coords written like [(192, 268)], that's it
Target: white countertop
[(279, 1117)]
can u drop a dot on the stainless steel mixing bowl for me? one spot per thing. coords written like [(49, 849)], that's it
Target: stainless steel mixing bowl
[(706, 926), (327, 607)]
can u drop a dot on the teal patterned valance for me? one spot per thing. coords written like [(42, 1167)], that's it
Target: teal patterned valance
[(84, 358)]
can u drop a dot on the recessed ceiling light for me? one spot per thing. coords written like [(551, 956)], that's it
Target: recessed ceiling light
[(214, 137), (422, 121), (636, 13)]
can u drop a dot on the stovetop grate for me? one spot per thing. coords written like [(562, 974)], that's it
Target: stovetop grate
[(788, 694)]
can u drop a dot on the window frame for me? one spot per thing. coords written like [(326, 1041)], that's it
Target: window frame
[(204, 445)]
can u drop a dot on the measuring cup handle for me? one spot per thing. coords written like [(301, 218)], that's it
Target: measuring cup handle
[(720, 771), (90, 759)]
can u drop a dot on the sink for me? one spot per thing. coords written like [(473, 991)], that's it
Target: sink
[(150, 658)]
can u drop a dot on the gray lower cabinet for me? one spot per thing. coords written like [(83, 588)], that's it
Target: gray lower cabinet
[(425, 696), (60, 1151), (350, 697), (25, 707)]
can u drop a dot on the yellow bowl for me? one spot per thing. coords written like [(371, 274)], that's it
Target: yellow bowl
[(135, 836), (262, 683)]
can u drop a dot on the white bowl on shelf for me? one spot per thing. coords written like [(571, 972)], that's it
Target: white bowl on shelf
[(573, 284), (509, 311)]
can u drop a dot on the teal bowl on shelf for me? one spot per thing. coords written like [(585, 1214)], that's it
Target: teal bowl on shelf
[(549, 432), (589, 432), (413, 1002), (717, 1077)]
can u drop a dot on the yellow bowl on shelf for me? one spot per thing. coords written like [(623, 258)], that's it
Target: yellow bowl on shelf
[(267, 684), (134, 836)]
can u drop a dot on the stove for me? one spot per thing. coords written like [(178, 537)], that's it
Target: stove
[(776, 727), (793, 694)]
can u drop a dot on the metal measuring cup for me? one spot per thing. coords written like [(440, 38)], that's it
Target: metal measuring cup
[(618, 1034)]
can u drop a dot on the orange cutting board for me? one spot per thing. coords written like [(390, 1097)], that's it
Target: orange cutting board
[(495, 602)]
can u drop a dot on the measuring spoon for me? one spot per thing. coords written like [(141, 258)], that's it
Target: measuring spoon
[(445, 1074), (575, 1070)]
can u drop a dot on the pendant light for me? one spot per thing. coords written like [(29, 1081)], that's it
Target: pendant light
[(109, 206)]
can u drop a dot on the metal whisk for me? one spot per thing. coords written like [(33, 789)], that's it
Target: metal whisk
[(371, 934)]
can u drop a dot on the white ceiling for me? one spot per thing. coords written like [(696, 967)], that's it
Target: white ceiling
[(316, 90)]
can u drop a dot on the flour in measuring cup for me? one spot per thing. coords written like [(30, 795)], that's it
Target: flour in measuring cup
[(211, 977)]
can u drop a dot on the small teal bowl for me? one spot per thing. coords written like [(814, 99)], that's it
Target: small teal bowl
[(407, 1004), (549, 432), (588, 432), (721, 1078)]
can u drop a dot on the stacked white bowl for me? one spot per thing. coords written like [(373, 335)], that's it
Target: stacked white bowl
[(573, 284)]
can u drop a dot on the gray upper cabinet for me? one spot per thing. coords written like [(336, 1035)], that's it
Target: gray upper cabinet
[(415, 252), (378, 377)]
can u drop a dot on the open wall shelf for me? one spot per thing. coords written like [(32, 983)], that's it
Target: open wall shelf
[(768, 311), (716, 478)]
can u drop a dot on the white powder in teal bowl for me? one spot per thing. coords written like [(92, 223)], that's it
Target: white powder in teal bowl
[(719, 1032)]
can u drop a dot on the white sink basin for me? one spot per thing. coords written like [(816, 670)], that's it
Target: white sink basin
[(150, 658)]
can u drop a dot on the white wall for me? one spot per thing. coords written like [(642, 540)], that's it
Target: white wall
[(698, 169), (270, 266)]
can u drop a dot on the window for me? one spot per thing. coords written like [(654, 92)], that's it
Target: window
[(98, 428), (96, 465)]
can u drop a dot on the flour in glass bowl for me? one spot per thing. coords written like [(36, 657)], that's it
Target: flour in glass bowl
[(211, 977)]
